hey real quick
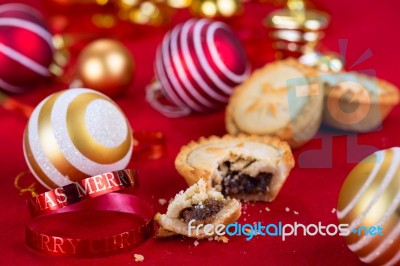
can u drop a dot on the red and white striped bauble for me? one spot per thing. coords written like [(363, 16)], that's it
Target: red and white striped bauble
[(197, 65), (26, 49)]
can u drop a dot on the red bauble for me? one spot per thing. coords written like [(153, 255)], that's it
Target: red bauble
[(198, 64), (26, 49)]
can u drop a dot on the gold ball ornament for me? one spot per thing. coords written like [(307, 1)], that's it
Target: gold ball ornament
[(370, 197), (147, 12), (215, 8), (74, 134), (105, 65)]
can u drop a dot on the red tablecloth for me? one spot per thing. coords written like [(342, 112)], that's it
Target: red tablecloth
[(312, 192)]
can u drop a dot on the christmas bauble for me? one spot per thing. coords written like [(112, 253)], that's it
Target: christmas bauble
[(105, 65), (26, 49), (76, 133), (146, 12), (369, 203), (215, 8), (199, 63)]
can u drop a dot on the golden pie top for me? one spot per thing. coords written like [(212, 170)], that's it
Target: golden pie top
[(272, 96), (208, 153), (207, 156)]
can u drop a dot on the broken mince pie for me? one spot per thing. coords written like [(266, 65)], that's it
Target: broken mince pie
[(198, 206), (243, 167)]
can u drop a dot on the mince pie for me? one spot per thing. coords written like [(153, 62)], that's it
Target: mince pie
[(198, 205), (244, 167), (357, 102), (282, 99)]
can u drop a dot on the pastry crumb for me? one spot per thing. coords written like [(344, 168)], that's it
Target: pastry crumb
[(196, 243), (247, 230), (260, 211), (210, 239), (223, 239), (138, 257), (267, 209), (287, 209), (333, 210), (296, 213), (162, 201)]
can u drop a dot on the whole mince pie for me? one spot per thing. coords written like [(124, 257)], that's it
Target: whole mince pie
[(243, 167), (357, 102), (283, 99), (198, 205)]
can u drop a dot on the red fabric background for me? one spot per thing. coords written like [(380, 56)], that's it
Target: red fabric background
[(310, 191)]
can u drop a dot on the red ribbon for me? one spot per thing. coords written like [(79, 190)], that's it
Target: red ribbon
[(85, 189), (45, 234)]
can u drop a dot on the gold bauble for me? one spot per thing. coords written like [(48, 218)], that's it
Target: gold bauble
[(370, 197), (76, 133), (179, 3), (105, 65), (296, 29), (215, 8), (146, 12)]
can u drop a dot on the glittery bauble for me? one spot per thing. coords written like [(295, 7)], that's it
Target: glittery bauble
[(106, 65), (76, 133), (199, 63), (370, 197), (26, 49)]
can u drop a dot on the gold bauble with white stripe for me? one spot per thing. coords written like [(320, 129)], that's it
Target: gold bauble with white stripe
[(74, 134), (370, 197)]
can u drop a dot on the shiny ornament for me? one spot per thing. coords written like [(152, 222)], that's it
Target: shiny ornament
[(197, 66), (74, 134), (107, 66), (215, 8), (179, 3), (146, 12), (324, 62), (26, 49), (370, 197), (296, 30)]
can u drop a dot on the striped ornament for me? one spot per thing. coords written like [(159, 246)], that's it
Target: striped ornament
[(26, 49), (199, 63), (74, 134), (369, 197)]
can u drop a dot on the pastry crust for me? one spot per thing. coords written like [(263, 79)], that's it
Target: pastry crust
[(297, 128), (171, 223), (375, 98), (203, 158)]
